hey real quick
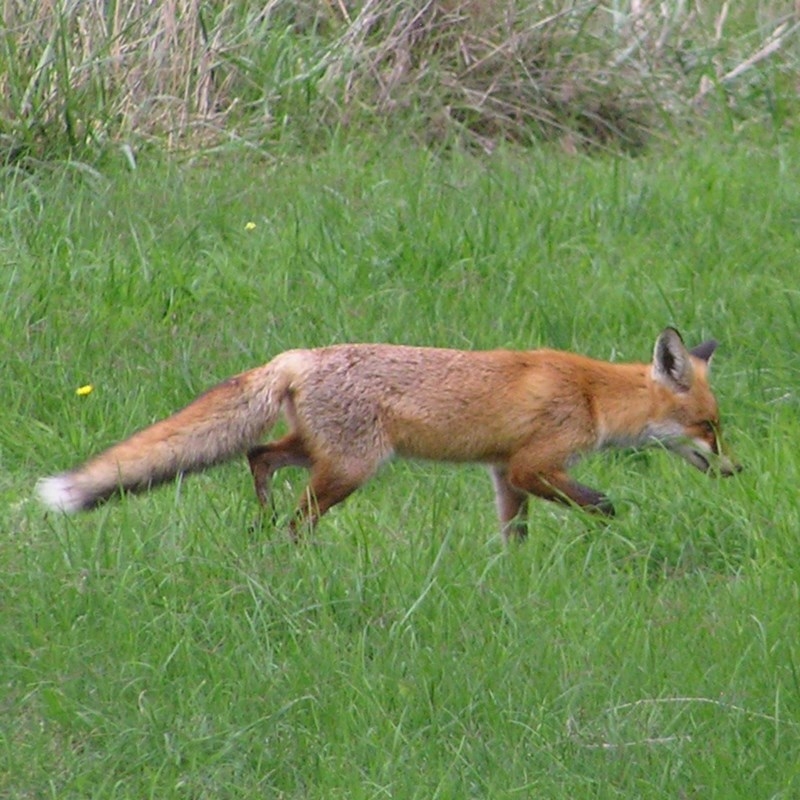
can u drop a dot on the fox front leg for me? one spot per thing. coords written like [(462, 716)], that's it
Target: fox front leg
[(566, 490), (556, 485), (512, 506)]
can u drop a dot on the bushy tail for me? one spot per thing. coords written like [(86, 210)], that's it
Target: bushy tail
[(222, 423)]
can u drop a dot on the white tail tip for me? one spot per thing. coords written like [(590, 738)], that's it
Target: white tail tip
[(60, 494)]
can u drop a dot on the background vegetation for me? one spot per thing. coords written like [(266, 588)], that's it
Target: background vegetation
[(76, 74), (153, 242)]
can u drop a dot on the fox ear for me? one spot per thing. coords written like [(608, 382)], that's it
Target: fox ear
[(672, 365), (705, 350)]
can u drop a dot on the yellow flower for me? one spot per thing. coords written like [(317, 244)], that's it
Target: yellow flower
[(250, 226), (82, 391)]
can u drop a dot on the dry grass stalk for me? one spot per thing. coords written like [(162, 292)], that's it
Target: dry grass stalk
[(118, 68), (479, 70)]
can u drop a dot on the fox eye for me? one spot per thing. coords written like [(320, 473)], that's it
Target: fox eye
[(710, 428)]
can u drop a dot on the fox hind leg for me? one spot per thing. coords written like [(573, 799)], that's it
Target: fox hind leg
[(265, 459), (329, 484)]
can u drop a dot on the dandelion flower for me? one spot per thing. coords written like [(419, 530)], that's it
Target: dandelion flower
[(250, 226), (82, 391)]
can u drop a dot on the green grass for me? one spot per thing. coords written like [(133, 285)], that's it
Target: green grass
[(164, 646)]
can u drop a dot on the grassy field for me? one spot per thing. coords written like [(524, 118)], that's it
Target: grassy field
[(164, 646)]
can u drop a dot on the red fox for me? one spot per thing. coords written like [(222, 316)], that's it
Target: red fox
[(349, 408)]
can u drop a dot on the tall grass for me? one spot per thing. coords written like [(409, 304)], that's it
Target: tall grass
[(164, 646), (75, 76)]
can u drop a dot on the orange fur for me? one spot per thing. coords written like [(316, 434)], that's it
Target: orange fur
[(526, 414)]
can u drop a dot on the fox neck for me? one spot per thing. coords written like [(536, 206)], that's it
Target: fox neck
[(626, 405)]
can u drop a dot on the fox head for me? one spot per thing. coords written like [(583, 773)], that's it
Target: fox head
[(688, 423)]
